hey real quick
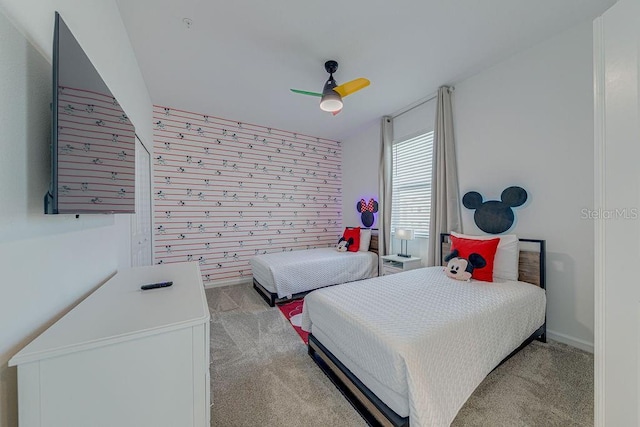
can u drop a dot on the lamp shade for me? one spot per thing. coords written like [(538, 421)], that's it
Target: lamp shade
[(331, 102), (404, 234)]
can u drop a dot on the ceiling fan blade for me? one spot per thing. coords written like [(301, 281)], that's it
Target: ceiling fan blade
[(304, 92), (352, 86)]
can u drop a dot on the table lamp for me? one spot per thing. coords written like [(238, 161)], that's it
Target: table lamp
[(404, 234)]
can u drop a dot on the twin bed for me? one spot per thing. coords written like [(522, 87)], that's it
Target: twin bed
[(414, 345), (281, 276)]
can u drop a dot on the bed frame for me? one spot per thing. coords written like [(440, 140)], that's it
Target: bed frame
[(272, 298), (531, 269)]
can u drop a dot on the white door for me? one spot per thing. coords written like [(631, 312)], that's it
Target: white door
[(141, 249), (617, 204)]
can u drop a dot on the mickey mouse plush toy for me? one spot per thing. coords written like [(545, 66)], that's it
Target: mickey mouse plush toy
[(460, 268), (343, 245)]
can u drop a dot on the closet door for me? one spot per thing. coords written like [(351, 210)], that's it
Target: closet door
[(141, 249)]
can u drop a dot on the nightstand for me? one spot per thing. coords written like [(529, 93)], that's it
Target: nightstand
[(395, 264)]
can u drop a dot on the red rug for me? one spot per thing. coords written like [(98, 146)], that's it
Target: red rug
[(293, 312)]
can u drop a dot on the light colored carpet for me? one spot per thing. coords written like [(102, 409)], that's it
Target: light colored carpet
[(261, 375)]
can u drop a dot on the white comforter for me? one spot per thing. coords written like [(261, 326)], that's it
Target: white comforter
[(304, 270), (424, 335)]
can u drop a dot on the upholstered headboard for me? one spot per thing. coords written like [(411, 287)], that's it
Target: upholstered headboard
[(373, 246), (531, 263)]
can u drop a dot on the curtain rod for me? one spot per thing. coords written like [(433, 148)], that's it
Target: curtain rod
[(418, 103)]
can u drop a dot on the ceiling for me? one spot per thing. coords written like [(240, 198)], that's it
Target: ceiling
[(239, 58)]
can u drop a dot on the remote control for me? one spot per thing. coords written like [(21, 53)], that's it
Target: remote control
[(156, 285)]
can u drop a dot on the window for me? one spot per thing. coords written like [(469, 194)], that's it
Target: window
[(411, 199)]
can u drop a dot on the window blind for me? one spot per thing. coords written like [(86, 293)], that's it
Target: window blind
[(411, 198)]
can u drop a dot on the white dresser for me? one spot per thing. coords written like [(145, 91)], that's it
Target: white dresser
[(123, 357)]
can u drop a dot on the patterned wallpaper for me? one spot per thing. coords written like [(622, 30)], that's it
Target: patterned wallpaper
[(226, 191)]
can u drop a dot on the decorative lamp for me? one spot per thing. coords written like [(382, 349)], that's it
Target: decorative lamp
[(331, 100), (404, 234)]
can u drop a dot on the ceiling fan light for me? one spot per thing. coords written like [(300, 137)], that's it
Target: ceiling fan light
[(331, 102)]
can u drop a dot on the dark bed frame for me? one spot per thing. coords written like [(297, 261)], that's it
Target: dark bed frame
[(272, 298), (531, 269)]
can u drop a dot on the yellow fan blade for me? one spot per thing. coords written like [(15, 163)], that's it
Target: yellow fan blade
[(351, 87)]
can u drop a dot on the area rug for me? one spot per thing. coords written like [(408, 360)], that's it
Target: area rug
[(293, 312)]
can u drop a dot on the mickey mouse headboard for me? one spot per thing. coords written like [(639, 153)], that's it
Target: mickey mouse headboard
[(495, 216)]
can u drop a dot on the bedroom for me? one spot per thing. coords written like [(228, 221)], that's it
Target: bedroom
[(534, 110)]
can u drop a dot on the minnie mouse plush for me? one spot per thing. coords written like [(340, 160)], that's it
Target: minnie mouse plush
[(460, 268)]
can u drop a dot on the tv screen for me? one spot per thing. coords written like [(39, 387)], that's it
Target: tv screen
[(93, 141)]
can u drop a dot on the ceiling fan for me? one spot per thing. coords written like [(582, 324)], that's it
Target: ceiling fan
[(332, 94)]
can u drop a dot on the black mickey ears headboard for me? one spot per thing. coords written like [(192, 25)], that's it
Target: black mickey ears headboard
[(495, 216)]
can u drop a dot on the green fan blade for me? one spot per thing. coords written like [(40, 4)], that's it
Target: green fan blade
[(304, 92)]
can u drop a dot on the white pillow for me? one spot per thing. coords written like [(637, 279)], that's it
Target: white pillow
[(365, 239), (505, 264)]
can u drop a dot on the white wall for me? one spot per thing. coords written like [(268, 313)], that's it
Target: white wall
[(49, 263), (528, 121), (420, 119), (360, 163)]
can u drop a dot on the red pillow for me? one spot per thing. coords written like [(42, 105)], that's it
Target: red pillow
[(353, 233), (486, 248)]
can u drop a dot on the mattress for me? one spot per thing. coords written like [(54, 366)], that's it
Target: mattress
[(288, 273), (420, 341)]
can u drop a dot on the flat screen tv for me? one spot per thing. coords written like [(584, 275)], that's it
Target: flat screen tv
[(92, 142)]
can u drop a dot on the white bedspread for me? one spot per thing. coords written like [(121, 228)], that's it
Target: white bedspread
[(304, 270), (424, 335)]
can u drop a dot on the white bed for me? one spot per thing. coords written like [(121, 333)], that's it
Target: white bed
[(420, 341), (285, 274)]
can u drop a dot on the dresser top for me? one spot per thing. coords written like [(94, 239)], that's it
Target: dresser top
[(119, 311)]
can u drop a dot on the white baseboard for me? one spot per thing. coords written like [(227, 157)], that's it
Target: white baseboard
[(573, 342), (228, 282)]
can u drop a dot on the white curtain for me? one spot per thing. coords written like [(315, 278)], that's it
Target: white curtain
[(445, 195), (385, 183)]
